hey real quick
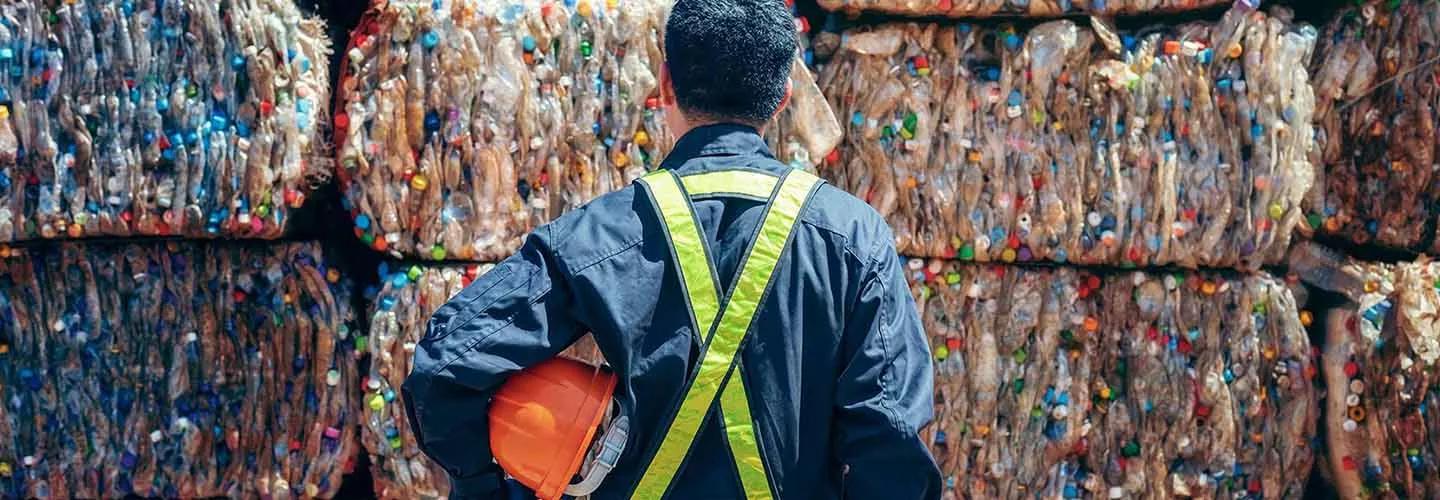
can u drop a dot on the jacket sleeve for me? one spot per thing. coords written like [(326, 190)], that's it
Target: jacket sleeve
[(885, 392), (513, 317)]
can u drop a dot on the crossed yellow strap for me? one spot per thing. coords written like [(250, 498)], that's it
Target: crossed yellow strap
[(730, 325)]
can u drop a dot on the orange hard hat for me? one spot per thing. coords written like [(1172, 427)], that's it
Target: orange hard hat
[(542, 422)]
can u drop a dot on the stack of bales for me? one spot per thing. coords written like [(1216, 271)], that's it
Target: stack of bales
[(992, 149), (167, 368), (1377, 97)]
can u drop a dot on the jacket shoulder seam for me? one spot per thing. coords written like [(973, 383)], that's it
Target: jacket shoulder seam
[(632, 243)]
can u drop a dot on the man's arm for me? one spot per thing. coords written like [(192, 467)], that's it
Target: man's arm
[(513, 317), (885, 392)]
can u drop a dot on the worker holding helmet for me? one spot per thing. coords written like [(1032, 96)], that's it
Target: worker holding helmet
[(760, 338)]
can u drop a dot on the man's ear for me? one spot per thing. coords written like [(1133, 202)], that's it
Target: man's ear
[(784, 101), (667, 86)]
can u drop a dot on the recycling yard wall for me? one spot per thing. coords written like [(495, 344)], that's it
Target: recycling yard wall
[(1160, 248)]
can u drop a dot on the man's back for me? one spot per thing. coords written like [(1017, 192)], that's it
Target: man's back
[(763, 339), (836, 369)]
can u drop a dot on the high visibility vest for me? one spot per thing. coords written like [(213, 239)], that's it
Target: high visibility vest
[(722, 327)]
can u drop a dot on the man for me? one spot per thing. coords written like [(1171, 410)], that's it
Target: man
[(828, 356)]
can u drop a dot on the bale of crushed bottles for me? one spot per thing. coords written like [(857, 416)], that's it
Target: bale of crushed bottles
[(129, 118), (1059, 383), (402, 306), (1382, 384), (1377, 97), (465, 126), (175, 370), (1069, 143), (462, 127), (1022, 8)]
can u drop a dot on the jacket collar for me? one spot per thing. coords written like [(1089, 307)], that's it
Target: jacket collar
[(717, 140)]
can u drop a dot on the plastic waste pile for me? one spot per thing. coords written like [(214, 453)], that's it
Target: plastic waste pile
[(465, 126), (1381, 379), (1067, 143), (402, 305), (126, 118), (462, 127), (1022, 8), (1376, 99), (1059, 383), (175, 370), (400, 310)]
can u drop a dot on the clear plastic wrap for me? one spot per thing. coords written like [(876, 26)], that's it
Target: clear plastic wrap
[(463, 125), (1058, 383), (145, 117), (1023, 8), (1185, 147), (1381, 379), (407, 296), (175, 370), (1377, 98)]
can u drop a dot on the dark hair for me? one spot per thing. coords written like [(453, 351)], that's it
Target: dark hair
[(730, 59)]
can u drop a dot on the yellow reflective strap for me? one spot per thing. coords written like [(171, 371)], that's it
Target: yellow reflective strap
[(750, 289), (735, 405), (685, 241), (759, 264), (742, 182), (744, 441)]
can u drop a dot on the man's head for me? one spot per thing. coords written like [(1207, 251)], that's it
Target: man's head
[(728, 60)]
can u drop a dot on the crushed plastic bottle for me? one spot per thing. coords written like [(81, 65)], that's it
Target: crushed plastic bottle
[(1025, 8), (465, 124), (175, 370), (409, 295), (1186, 147), (126, 118), (806, 130), (1326, 269), (1377, 99), (1382, 384), (1059, 383)]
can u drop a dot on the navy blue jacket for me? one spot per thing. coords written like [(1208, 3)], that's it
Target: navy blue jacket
[(838, 372)]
